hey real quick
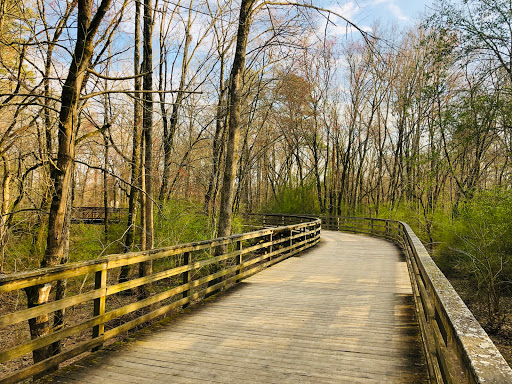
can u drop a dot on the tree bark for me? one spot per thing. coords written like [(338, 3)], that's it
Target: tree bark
[(61, 172), (135, 177), (235, 97), (4, 230), (146, 267)]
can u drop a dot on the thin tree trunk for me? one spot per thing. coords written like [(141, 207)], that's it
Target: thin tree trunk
[(146, 267), (173, 122), (136, 149), (218, 147), (4, 230), (105, 165)]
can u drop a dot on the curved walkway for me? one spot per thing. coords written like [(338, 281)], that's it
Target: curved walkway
[(340, 313)]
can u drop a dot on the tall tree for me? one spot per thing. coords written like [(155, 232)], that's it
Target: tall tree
[(233, 130), (135, 164), (62, 172), (147, 128)]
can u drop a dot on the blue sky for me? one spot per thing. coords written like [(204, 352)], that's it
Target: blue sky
[(366, 12)]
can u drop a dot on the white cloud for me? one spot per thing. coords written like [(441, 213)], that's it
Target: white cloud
[(393, 8), (397, 11), (350, 10), (347, 10)]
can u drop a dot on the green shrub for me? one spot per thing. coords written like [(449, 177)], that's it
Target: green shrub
[(479, 245), (296, 200), (87, 241), (181, 221)]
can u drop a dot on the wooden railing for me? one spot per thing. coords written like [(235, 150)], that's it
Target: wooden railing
[(100, 307), (456, 347)]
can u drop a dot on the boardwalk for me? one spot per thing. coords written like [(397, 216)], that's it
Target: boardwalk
[(339, 313)]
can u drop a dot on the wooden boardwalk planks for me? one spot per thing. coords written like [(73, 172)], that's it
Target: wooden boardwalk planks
[(340, 313)]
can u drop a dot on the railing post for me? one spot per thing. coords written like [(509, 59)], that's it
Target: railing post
[(100, 282), (185, 277), (270, 248), (239, 259)]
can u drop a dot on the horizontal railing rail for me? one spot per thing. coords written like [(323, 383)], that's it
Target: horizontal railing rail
[(99, 306), (457, 349)]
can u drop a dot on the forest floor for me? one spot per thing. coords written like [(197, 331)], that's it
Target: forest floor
[(501, 336)]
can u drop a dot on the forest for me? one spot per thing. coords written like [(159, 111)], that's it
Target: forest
[(185, 115)]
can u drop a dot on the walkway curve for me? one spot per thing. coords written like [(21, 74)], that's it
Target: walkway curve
[(341, 312)]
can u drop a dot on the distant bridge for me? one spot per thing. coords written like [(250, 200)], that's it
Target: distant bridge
[(96, 215), (352, 309)]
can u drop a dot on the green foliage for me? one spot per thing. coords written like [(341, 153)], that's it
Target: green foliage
[(475, 244), (427, 226), (478, 244), (178, 222), (482, 27), (181, 221), (87, 241), (295, 200)]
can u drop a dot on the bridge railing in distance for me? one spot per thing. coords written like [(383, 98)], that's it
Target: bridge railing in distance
[(456, 347), (100, 307), (97, 214)]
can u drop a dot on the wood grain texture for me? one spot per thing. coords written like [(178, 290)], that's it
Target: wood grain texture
[(342, 312)]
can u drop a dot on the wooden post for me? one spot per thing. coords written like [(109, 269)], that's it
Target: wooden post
[(270, 247), (239, 260), (185, 277), (100, 282)]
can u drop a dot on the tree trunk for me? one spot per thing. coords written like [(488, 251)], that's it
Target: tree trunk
[(105, 167), (170, 132), (146, 267), (135, 178), (62, 172), (218, 147), (6, 188), (235, 95)]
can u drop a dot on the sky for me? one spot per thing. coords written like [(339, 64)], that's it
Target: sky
[(365, 13)]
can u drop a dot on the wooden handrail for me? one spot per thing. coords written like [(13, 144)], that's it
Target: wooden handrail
[(456, 347), (188, 265)]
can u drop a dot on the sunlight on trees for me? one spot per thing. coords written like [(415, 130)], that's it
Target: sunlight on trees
[(217, 108)]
